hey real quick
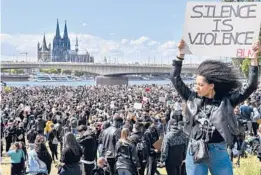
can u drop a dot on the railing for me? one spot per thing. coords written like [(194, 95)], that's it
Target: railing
[(97, 64)]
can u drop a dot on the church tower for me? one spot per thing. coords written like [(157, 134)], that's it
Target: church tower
[(66, 40), (57, 45), (44, 52)]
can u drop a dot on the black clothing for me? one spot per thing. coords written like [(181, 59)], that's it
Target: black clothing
[(109, 138), (31, 136), (82, 121), (222, 115), (20, 135), (88, 144), (68, 156), (152, 136), (9, 133), (40, 125), (44, 155), (53, 147), (89, 147), (127, 157), (16, 169), (135, 138)]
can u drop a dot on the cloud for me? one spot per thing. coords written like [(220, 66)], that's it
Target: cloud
[(124, 41), (112, 34), (139, 41), (151, 43), (124, 50), (84, 24)]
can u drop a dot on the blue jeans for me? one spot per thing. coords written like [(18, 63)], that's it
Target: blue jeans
[(123, 172), (219, 163)]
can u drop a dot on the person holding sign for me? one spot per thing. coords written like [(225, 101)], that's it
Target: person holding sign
[(209, 113)]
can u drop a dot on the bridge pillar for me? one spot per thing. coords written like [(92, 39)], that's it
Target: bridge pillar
[(103, 80)]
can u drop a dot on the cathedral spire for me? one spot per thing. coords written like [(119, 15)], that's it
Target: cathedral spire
[(65, 33), (57, 30), (44, 46)]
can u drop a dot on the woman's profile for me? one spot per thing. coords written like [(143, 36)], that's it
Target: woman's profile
[(208, 114)]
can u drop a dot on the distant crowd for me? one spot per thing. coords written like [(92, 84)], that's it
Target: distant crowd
[(106, 129)]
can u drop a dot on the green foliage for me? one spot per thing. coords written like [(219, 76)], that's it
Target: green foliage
[(53, 71), (245, 66), (78, 73), (19, 71), (67, 72), (44, 70)]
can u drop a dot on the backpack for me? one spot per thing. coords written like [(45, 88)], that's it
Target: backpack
[(142, 149)]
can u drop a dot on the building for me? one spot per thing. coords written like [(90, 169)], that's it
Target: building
[(44, 52), (61, 51)]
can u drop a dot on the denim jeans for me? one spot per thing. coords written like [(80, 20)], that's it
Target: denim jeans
[(123, 172), (219, 163)]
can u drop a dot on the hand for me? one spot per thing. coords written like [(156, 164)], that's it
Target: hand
[(257, 49), (161, 165), (181, 46)]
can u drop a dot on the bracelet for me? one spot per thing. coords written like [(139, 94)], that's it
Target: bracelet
[(180, 58)]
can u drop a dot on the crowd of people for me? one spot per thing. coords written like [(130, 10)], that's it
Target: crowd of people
[(132, 130), (102, 128)]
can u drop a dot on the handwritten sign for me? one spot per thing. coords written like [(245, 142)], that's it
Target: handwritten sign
[(137, 105), (222, 29)]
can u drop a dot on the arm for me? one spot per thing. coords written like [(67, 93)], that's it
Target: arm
[(175, 77), (239, 96)]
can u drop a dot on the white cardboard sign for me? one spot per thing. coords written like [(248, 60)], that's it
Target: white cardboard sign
[(137, 105), (221, 29)]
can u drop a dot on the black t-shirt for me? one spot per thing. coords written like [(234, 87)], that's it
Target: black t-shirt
[(209, 133), (68, 156)]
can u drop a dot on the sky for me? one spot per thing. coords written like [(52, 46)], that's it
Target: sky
[(144, 31)]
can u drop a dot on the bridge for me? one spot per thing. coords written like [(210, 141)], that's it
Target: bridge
[(100, 69)]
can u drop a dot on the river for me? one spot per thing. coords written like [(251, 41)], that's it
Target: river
[(88, 83)]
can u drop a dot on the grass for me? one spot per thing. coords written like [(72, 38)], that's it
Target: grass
[(249, 166)]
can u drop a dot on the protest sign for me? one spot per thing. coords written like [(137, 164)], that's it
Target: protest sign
[(157, 145), (162, 99), (137, 105), (221, 29)]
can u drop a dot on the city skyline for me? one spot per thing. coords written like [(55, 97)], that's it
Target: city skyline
[(145, 32)]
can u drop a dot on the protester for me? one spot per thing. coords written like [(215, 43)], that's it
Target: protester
[(174, 149), (42, 152), (104, 111), (71, 156), (17, 159), (127, 158), (53, 140), (88, 142), (208, 119)]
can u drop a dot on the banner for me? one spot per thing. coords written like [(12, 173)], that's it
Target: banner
[(222, 29)]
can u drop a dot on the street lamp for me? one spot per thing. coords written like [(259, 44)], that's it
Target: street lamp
[(24, 53)]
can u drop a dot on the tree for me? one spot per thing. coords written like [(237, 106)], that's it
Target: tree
[(19, 71), (245, 66), (78, 73), (44, 71), (67, 72), (53, 71)]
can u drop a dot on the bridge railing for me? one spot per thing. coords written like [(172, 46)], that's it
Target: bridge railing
[(3, 63)]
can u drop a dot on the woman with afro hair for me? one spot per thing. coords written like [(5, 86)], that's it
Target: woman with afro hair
[(208, 116)]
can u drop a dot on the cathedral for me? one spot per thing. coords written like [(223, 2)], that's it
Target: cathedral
[(61, 51)]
